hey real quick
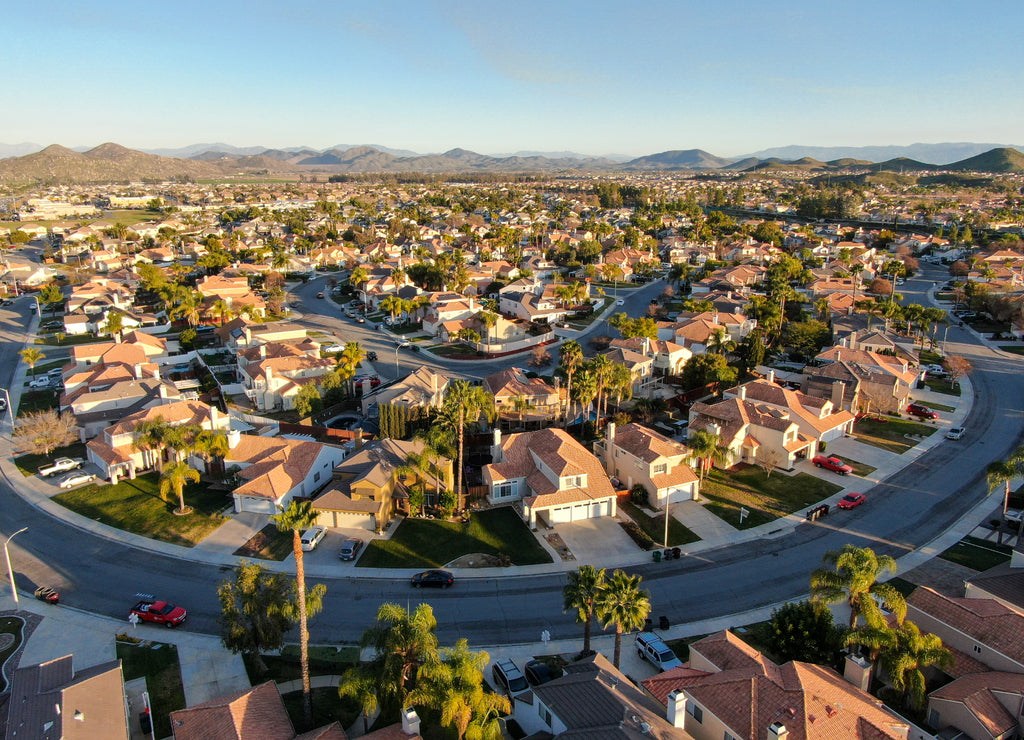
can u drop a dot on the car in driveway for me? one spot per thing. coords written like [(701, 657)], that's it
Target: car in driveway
[(833, 463), (333, 348), (653, 649), (61, 465), (851, 501), (921, 412), (76, 479), (508, 677), (434, 578), (538, 673), (159, 612), (350, 548), (955, 433), (43, 382), (311, 538)]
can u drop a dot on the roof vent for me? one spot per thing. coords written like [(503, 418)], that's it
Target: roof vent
[(79, 715)]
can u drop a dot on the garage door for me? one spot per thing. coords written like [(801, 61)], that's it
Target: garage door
[(580, 512), (255, 505), (346, 521)]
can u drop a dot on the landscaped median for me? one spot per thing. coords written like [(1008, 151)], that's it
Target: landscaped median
[(433, 543), (765, 498)]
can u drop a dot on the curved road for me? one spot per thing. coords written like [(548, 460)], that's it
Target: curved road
[(909, 510)]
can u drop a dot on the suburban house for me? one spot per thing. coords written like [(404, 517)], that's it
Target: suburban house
[(365, 486), (641, 369), (668, 357), (532, 300), (1003, 583), (273, 373), (257, 713), (593, 699), (730, 690), (536, 398), (871, 382), (754, 432), (818, 418), (638, 455), (240, 333), (445, 308), (105, 401), (234, 291), (549, 476), (274, 470), (52, 700), (422, 388)]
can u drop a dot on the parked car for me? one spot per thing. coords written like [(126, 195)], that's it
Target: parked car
[(333, 348), (55, 373), (620, 302), (922, 412), (851, 500), (75, 479), (508, 677), (319, 295), (652, 648), (350, 548), (832, 463), (43, 382), (538, 673), (955, 433), (311, 538), (61, 465), (371, 356), (159, 612), (435, 578)]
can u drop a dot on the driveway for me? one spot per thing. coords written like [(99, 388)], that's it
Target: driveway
[(597, 540)]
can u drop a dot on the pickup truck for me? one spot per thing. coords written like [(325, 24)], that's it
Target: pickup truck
[(61, 465), (832, 463)]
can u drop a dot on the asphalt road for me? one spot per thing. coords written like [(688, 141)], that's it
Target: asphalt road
[(909, 510)]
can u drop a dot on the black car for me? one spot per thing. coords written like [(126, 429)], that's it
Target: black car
[(371, 356), (436, 578), (538, 673)]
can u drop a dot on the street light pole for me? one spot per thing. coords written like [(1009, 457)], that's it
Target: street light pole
[(10, 571), (398, 347)]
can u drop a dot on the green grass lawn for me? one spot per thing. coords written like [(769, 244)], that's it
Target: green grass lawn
[(41, 400), (977, 554), (42, 367), (269, 543), (159, 664), (938, 406), (323, 661), (69, 340), (766, 499), (1017, 349), (654, 526), (930, 357), (941, 385), (430, 543), (136, 506), (15, 627), (29, 464), (890, 434), (859, 468)]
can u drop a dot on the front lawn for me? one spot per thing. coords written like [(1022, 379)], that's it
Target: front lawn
[(938, 406), (1017, 349), (859, 468), (270, 543), (30, 463), (977, 554), (136, 506), (654, 527), (430, 543), (942, 385), (766, 499), (889, 433), (159, 664), (41, 400)]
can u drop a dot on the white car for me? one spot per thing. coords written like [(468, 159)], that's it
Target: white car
[(332, 348), (955, 433), (311, 538), (620, 302), (39, 383), (76, 479)]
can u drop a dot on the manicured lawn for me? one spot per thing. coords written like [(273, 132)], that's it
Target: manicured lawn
[(136, 506), (930, 357), (323, 661), (159, 664), (891, 433), (941, 385), (430, 543), (654, 526), (29, 464), (938, 406), (977, 554), (69, 340), (859, 468), (41, 400), (269, 543), (766, 499), (1017, 349), (15, 627), (44, 366)]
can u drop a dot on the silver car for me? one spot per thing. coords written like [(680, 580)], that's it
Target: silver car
[(350, 548), (76, 479)]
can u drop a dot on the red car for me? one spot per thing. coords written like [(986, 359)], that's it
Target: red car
[(832, 463), (159, 612), (922, 412), (851, 500)]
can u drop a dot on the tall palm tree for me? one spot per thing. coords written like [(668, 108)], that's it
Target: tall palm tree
[(31, 357), (580, 594), (620, 384), (466, 404), (570, 359), (404, 641), (708, 449), (393, 305), (853, 578), (298, 517), (149, 437), (173, 480), (188, 306), (601, 367), (360, 684), (221, 309), (488, 319), (720, 343), (211, 445), (624, 604), (907, 655), (521, 404)]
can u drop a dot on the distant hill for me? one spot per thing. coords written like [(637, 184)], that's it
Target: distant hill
[(902, 164), (928, 153), (679, 159), (999, 160), (18, 150)]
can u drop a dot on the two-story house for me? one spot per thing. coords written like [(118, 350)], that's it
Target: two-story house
[(818, 418), (668, 357), (637, 455), (519, 397), (273, 373), (421, 389)]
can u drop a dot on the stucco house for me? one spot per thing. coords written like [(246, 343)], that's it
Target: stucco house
[(818, 418), (637, 455)]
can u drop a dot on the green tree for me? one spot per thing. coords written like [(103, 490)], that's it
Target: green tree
[(853, 578), (570, 360), (804, 631), (173, 480), (308, 401), (149, 437), (624, 604), (299, 516), (31, 357), (403, 642), (360, 683), (720, 343), (701, 370), (708, 449), (465, 404), (1003, 472), (257, 609), (114, 324), (907, 655), (52, 295), (580, 595)]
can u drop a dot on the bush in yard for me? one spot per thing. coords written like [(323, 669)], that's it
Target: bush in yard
[(638, 495)]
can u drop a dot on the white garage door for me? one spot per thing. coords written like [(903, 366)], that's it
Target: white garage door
[(348, 521), (579, 512), (255, 505)]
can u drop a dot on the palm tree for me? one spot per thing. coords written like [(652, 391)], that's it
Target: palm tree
[(211, 445), (822, 307), (466, 404), (298, 517), (404, 642), (623, 603), (351, 357), (222, 309), (708, 449), (601, 367), (620, 384), (31, 356), (570, 359), (393, 305), (173, 480), (521, 404), (856, 270), (580, 594), (904, 658), (360, 684), (149, 436), (853, 578), (187, 306), (488, 319), (1002, 473)]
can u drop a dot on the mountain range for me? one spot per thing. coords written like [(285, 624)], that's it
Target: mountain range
[(114, 163)]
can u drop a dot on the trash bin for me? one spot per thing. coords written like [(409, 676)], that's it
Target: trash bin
[(667, 555), (663, 623), (676, 552), (145, 724), (657, 556)]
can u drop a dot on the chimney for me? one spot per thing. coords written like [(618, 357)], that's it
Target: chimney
[(853, 340), (410, 722), (858, 672), (263, 351), (214, 416), (268, 373), (676, 714), (777, 731), (741, 392), (234, 437), (838, 392), (359, 438), (138, 371), (609, 448), (496, 453), (770, 377)]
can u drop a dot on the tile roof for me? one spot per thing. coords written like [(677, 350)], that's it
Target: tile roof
[(253, 714), (986, 620), (647, 444), (1004, 582), (977, 693), (276, 465), (179, 412)]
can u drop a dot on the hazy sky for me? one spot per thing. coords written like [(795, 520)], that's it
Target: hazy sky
[(597, 77)]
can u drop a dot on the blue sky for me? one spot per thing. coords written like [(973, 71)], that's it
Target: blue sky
[(596, 77)]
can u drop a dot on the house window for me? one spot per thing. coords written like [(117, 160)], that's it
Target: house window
[(694, 711), (729, 736), (316, 477), (660, 468), (545, 714), (504, 490), (977, 649)]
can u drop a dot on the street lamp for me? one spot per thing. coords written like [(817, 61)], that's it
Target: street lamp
[(10, 571), (398, 347)]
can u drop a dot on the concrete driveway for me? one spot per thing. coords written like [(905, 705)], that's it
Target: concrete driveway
[(597, 540)]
